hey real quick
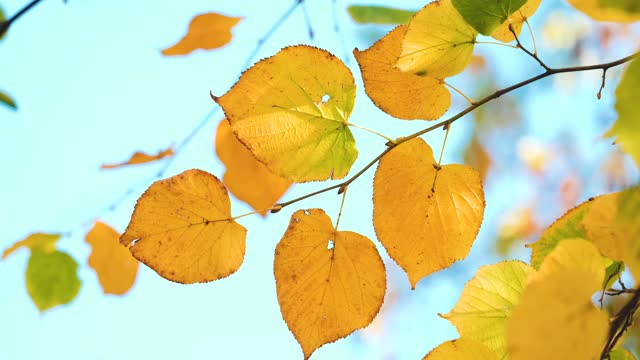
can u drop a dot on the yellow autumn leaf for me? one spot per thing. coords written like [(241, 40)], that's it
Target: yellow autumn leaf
[(112, 262), (609, 10), (423, 230), (329, 283), (36, 241), (247, 178), (399, 94), (438, 43), (140, 158), (613, 225), (182, 228), (486, 303), (516, 20), (206, 31), (291, 112), (556, 318), (461, 349)]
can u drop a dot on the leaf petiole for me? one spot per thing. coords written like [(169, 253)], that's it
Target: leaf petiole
[(372, 131)]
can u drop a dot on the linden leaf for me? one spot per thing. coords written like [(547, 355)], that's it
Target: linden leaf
[(461, 349), (621, 354), (52, 279), (487, 301), (329, 283), (112, 262), (556, 318), (424, 230), (487, 15), (140, 158), (182, 228), (371, 14), (626, 129), (7, 100), (35, 242), (247, 178), (516, 20), (438, 43), (3, 17), (206, 31), (623, 11), (291, 112), (399, 94)]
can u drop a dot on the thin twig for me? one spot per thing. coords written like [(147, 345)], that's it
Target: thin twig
[(533, 55), (344, 195), (4, 26), (620, 323), (438, 166)]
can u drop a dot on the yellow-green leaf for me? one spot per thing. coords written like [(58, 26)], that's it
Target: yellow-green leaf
[(291, 112), (243, 169), (3, 17), (516, 20), (329, 283), (487, 15), (556, 318), (438, 43), (399, 94), (487, 301), (621, 354), (112, 262), (8, 100), (372, 14), (424, 228), (626, 129), (182, 228), (35, 242), (52, 279), (461, 349), (206, 31), (623, 11)]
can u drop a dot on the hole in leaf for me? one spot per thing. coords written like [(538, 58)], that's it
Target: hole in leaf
[(330, 245), (306, 212), (326, 98)]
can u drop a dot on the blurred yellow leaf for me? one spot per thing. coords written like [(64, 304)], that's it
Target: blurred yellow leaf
[(182, 228), (329, 283), (206, 31), (291, 112), (425, 230), (112, 262), (477, 157), (246, 177), (140, 158), (438, 43), (36, 241), (401, 95), (461, 349), (609, 10), (52, 279), (516, 225), (556, 318), (487, 301), (516, 20)]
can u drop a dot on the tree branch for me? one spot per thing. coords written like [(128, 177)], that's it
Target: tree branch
[(620, 323), (4, 26)]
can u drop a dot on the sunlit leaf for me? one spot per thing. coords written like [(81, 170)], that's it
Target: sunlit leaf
[(140, 158), (626, 129), (372, 14), (3, 17), (516, 20), (291, 111), (623, 11), (438, 43), (8, 100), (487, 301), (35, 242), (516, 225), (461, 349), (329, 283), (556, 318), (425, 229), (52, 279), (399, 94), (182, 228), (476, 156), (247, 178), (206, 31), (487, 15), (621, 354), (112, 262)]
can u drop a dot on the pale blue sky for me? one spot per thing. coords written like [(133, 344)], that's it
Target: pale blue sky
[(92, 87)]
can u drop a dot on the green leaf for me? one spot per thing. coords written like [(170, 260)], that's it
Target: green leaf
[(621, 354), (630, 6), (7, 100), (52, 279), (626, 129), (371, 14), (3, 17), (487, 15), (613, 270)]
